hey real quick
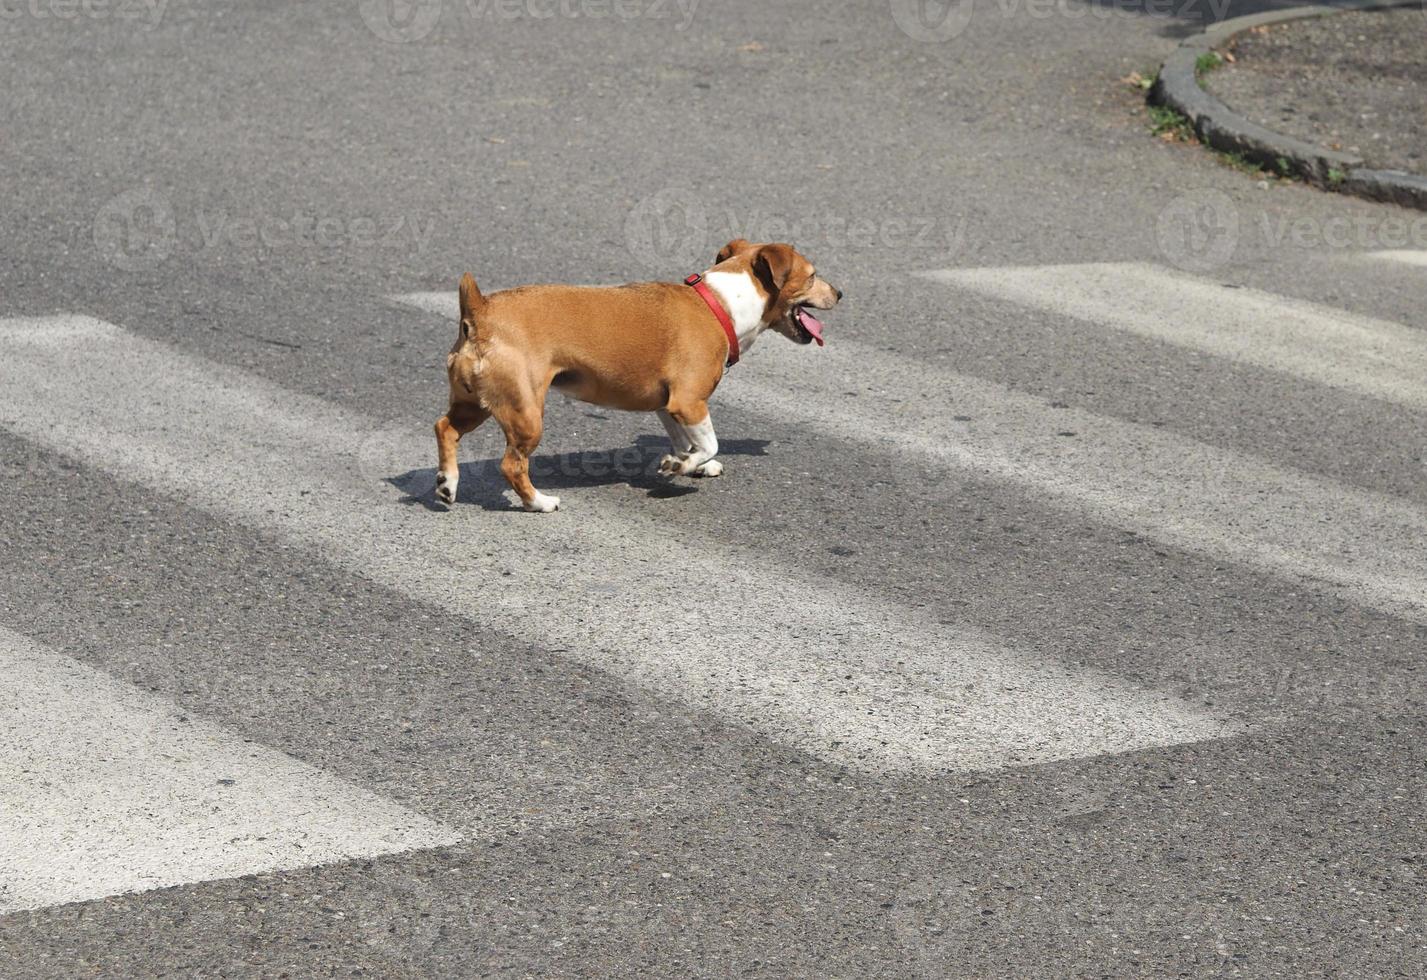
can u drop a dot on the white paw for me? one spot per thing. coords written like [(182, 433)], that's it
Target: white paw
[(671, 466), (710, 469), (543, 503), (446, 487)]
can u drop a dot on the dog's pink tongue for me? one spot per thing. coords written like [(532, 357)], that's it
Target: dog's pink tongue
[(812, 325)]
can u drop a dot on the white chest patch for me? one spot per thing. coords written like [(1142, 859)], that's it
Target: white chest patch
[(742, 300)]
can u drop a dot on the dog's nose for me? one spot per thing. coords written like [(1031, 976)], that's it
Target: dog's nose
[(838, 292)]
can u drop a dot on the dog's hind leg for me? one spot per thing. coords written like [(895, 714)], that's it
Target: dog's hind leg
[(459, 419)]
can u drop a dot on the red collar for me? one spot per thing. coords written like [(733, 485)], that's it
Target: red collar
[(724, 320)]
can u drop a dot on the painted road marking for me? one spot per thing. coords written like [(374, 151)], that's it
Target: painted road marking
[(1171, 488), (843, 675), (1405, 256), (106, 789), (1377, 358)]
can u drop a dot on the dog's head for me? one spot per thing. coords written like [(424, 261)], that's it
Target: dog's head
[(789, 284)]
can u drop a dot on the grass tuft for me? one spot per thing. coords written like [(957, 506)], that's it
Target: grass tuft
[(1206, 63), (1240, 162), (1169, 125)]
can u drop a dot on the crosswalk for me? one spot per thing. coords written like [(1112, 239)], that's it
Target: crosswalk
[(837, 671), (106, 789), (852, 678), (1168, 487), (1373, 357), (1403, 256)]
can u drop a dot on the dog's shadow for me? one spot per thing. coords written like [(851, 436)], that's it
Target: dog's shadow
[(483, 484)]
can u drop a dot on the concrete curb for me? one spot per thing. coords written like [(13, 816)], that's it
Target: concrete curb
[(1224, 129)]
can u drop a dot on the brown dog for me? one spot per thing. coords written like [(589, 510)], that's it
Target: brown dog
[(650, 347)]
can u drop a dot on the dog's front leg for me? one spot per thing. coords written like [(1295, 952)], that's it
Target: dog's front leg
[(460, 419), (695, 444), (680, 440)]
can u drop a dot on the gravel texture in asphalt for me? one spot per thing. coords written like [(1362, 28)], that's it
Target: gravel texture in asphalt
[(1354, 82), (1160, 479)]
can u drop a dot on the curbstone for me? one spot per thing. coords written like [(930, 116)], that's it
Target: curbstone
[(1393, 186), (1220, 127)]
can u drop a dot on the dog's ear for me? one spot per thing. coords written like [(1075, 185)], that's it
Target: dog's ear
[(732, 249), (472, 303), (772, 265)]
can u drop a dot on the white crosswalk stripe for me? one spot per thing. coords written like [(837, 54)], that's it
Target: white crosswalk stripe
[(1377, 358), (1404, 256), (106, 789), (841, 674), (1173, 489), (128, 797)]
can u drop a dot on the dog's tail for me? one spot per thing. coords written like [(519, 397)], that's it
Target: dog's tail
[(472, 303)]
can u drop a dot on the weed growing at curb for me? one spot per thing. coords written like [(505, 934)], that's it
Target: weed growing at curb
[(1239, 162), (1169, 125), (1173, 127), (1282, 168), (1206, 63)]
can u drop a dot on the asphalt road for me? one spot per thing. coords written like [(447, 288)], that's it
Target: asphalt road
[(1049, 622)]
